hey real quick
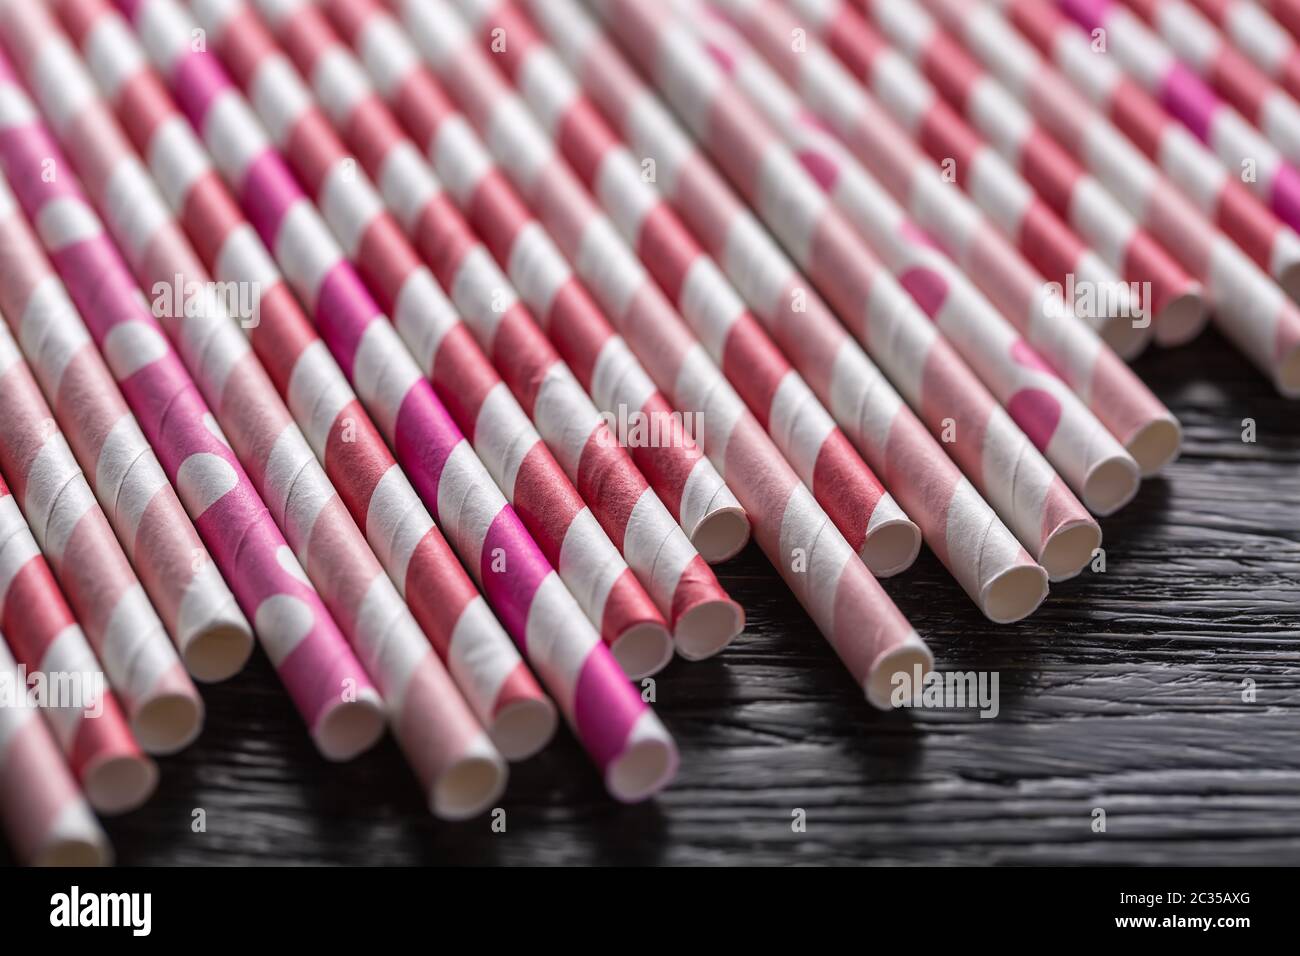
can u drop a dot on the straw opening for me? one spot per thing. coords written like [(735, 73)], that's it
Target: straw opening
[(891, 548), (1183, 318), (1110, 484), (73, 851), (904, 659), (168, 723), (120, 784), (1155, 445), (707, 628), (1014, 594), (468, 788), (1127, 339), (350, 728), (644, 768), (1068, 550), (523, 727), (642, 650), (218, 654), (721, 535)]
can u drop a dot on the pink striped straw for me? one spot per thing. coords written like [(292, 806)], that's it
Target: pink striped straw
[(1112, 392), (934, 380), (1199, 45), (1060, 425), (683, 587), (1216, 190), (459, 770), (210, 632), (624, 738), (94, 738), (1011, 205), (845, 602), (1175, 299), (1252, 311), (686, 481), (480, 656), (1264, 41), (865, 513), (1152, 66), (44, 814), (893, 440), (329, 687), (1287, 13), (139, 659)]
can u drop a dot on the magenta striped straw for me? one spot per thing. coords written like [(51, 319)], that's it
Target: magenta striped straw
[(43, 813), (838, 591), (1264, 41), (877, 420), (328, 685), (1286, 12), (459, 770), (684, 589), (625, 739), (1249, 306), (479, 654), (92, 734), (865, 513)]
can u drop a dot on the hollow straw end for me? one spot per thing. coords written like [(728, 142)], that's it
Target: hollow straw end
[(648, 762), (471, 784), (350, 728), (707, 628), (522, 727), (1069, 548), (1110, 484), (721, 534), (218, 652), (75, 851), (1182, 319), (643, 649), (902, 658), (891, 546), (1157, 443), (1127, 339), (1012, 595), (119, 784), (169, 722)]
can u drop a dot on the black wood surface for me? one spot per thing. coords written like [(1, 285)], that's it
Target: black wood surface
[(1124, 692)]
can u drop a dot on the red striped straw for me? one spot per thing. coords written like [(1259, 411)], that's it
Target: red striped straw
[(1010, 204), (458, 769), (95, 737), (1203, 179), (1112, 392), (865, 513), (1150, 65), (624, 738), (704, 620), (1176, 299), (44, 814), (325, 680), (1249, 307), (1199, 45), (479, 654), (1287, 13), (139, 659), (893, 440), (1264, 41), (1059, 424), (845, 602)]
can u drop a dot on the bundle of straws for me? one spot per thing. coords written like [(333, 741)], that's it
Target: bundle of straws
[(444, 345)]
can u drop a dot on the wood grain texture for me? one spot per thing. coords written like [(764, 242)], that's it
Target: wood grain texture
[(1124, 692)]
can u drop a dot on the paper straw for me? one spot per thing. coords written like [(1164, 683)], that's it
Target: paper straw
[(683, 587), (891, 438), (845, 602), (1161, 288), (1264, 41), (480, 656), (933, 379), (1152, 66), (459, 770), (139, 659), (624, 738), (867, 516), (327, 684), (94, 737), (45, 817), (1112, 392), (1287, 13), (210, 632), (1251, 310), (1199, 45)]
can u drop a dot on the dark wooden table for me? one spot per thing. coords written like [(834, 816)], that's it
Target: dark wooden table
[(1124, 693)]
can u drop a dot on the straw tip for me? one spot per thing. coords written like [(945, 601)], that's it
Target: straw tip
[(169, 722), (722, 534), (891, 547), (120, 784), (707, 628), (646, 765), (1111, 483), (350, 728), (1014, 594), (218, 653), (522, 727), (643, 649), (1182, 319), (74, 852), (470, 785), (1069, 548), (903, 658), (1125, 337), (1157, 443)]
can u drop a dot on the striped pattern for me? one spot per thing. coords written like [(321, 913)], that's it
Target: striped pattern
[(45, 638), (44, 814), (317, 525), (301, 639), (624, 738), (480, 656), (1175, 303), (682, 586), (1264, 41), (1182, 210), (804, 432)]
